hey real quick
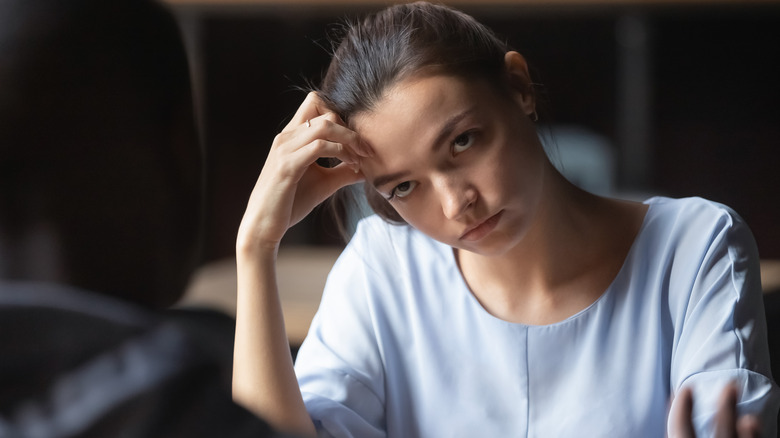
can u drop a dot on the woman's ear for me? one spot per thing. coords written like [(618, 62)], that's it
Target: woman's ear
[(519, 81)]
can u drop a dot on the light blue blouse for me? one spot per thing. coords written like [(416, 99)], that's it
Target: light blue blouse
[(401, 348)]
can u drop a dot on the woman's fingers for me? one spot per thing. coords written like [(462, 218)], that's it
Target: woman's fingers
[(748, 426), (326, 137), (726, 419), (309, 154), (314, 120), (311, 108), (682, 425), (291, 184), (727, 423), (319, 183), (323, 137), (329, 127)]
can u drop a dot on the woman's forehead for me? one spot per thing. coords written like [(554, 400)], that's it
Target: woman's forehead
[(413, 118), (416, 105)]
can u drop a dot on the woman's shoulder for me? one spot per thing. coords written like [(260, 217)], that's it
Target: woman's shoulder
[(391, 252), (689, 217), (693, 233), (374, 226), (690, 207), (377, 236)]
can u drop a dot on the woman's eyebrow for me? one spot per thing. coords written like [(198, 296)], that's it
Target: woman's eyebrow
[(446, 130), (384, 179), (450, 124)]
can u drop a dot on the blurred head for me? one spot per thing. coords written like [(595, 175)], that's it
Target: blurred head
[(404, 42), (99, 161)]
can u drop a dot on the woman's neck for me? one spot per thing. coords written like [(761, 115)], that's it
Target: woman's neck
[(574, 249)]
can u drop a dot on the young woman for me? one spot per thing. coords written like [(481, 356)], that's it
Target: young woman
[(489, 297)]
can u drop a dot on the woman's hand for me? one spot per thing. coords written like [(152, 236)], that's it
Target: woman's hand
[(291, 184), (727, 424)]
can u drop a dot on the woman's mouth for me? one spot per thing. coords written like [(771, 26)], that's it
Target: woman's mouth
[(481, 229)]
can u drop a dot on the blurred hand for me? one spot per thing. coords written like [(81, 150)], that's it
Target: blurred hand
[(727, 425)]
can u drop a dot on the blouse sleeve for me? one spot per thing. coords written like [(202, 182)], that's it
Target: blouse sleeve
[(339, 366), (719, 323)]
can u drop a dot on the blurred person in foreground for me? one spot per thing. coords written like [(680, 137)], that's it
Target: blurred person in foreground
[(99, 224)]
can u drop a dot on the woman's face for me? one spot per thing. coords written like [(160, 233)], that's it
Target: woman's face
[(456, 160)]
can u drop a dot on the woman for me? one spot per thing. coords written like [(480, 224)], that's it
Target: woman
[(513, 303)]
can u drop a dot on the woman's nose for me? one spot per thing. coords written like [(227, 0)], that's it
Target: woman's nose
[(455, 195)]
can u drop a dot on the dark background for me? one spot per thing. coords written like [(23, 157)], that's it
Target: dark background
[(713, 72)]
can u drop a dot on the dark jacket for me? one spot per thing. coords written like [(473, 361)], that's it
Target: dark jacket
[(76, 364)]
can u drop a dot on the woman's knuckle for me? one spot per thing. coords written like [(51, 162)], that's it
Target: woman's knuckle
[(283, 138), (312, 98), (320, 145)]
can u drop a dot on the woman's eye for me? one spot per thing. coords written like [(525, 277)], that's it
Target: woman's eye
[(462, 142), (404, 189)]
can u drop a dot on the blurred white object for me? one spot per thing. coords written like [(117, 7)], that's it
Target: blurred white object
[(585, 158)]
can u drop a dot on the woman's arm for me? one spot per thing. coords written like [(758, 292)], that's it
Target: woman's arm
[(720, 361), (290, 185), (263, 377)]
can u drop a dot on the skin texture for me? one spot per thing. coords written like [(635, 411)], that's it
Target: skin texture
[(483, 165), (475, 177)]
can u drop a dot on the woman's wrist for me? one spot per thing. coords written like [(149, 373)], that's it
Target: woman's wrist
[(255, 250), (249, 244)]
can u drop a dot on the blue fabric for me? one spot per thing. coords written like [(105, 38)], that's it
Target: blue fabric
[(401, 348)]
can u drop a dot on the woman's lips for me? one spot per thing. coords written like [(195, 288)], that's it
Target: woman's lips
[(482, 229)]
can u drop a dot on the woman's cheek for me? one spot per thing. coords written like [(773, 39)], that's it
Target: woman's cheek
[(414, 210)]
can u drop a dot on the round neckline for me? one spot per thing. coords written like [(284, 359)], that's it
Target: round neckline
[(473, 301)]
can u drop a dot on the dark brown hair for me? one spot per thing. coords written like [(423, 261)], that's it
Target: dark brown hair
[(98, 144), (401, 41)]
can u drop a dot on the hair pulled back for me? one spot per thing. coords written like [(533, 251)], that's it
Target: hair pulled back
[(397, 43)]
